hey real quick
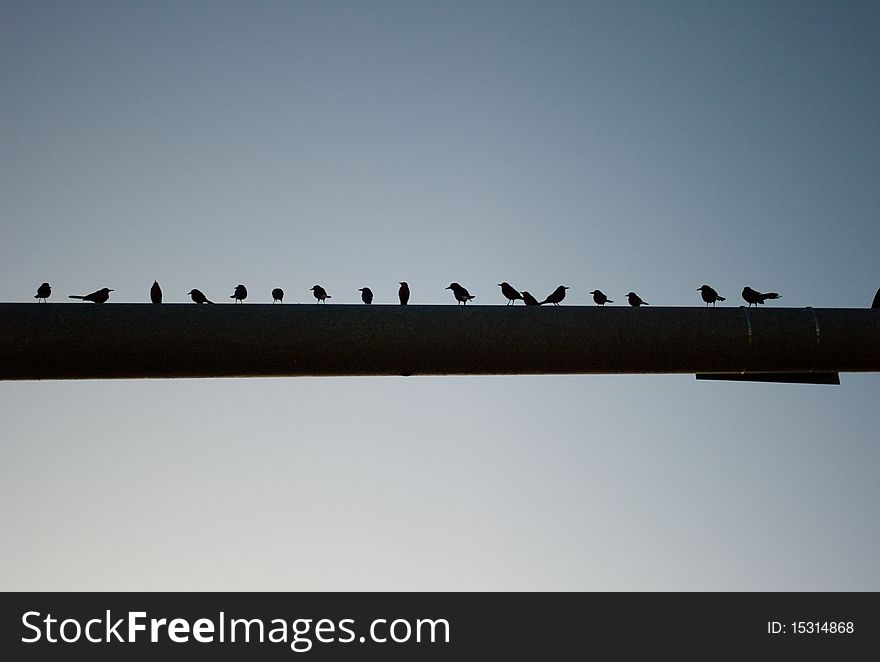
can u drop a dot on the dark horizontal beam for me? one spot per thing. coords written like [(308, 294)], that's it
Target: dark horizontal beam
[(88, 341)]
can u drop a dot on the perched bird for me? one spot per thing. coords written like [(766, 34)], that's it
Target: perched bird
[(753, 297), (403, 293), (529, 300), (95, 297), (600, 298), (366, 295), (198, 297), (320, 294), (277, 295), (556, 295), (710, 295), (508, 291), (240, 293), (43, 292), (156, 293), (461, 294), (635, 300)]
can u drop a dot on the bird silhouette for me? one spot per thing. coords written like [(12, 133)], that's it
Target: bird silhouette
[(509, 292), (95, 297), (43, 292), (240, 293), (366, 295), (556, 295), (600, 298), (635, 301), (198, 297), (156, 293), (754, 297), (320, 294), (529, 300), (403, 293), (461, 294), (710, 295), (277, 295)]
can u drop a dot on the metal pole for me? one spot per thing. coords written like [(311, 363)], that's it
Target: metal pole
[(88, 341)]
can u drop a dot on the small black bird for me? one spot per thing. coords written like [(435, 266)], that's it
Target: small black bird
[(529, 300), (43, 292), (95, 297), (556, 295), (636, 301), (320, 294), (277, 295), (710, 295), (198, 297), (403, 293), (600, 298), (508, 291), (753, 297), (156, 293), (461, 294), (366, 295), (240, 293)]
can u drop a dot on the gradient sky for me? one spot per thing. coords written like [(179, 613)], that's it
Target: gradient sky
[(619, 145)]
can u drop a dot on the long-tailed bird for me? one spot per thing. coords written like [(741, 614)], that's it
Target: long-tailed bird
[(529, 300), (95, 297), (511, 293), (635, 300), (278, 295), (556, 295), (600, 298), (156, 293), (320, 294), (461, 294), (366, 295), (43, 292), (239, 294), (754, 297), (710, 295), (403, 293), (198, 297)]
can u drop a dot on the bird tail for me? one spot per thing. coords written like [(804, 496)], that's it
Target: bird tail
[(328, 297), (722, 298), (208, 301), (75, 296), (610, 301), (769, 295)]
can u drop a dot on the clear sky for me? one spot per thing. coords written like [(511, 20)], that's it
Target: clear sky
[(616, 145)]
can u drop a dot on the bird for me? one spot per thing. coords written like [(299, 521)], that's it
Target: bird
[(635, 301), (156, 293), (753, 297), (277, 295), (556, 295), (320, 294), (43, 292), (403, 293), (529, 300), (508, 291), (240, 293), (710, 295), (461, 294), (198, 297), (600, 298), (95, 297), (366, 295)]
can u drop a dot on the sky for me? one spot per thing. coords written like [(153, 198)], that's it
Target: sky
[(624, 146)]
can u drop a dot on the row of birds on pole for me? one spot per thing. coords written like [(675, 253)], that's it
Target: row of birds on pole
[(462, 296)]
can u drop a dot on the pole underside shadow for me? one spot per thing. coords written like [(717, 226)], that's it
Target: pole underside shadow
[(109, 341)]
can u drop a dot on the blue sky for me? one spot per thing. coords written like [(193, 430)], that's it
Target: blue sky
[(619, 145)]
